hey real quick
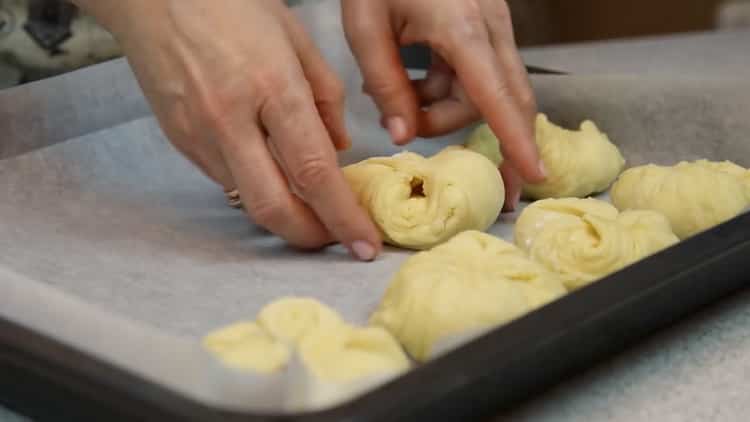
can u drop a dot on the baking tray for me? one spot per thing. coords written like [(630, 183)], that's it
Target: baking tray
[(51, 381), (117, 255)]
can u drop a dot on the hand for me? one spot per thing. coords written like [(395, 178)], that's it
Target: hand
[(241, 90), (476, 72)]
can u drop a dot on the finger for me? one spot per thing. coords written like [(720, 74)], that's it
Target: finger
[(479, 72), (327, 88), (372, 41), (432, 88), (305, 149), (437, 84), (513, 186), (503, 40), (447, 116), (263, 188)]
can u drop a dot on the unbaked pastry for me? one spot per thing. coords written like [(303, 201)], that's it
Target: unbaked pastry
[(248, 347), (324, 359), (483, 141), (579, 163), (338, 364), (584, 240), (420, 202), (290, 319), (471, 282), (694, 196)]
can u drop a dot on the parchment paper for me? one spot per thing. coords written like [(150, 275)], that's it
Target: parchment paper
[(105, 231)]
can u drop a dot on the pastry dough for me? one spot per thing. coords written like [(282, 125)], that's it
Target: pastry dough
[(248, 347), (339, 364), (579, 163), (348, 353), (584, 240), (290, 319), (729, 167), (694, 196), (471, 282), (325, 360), (483, 141), (420, 202)]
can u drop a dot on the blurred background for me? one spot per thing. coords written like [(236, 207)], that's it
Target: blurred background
[(41, 38)]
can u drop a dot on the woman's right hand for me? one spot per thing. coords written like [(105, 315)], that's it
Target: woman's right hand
[(240, 89)]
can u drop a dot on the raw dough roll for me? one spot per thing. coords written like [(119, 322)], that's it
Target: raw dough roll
[(729, 167), (332, 366), (472, 282), (290, 319), (246, 346), (483, 141), (420, 202), (694, 196), (265, 345), (579, 163), (584, 240), (301, 354)]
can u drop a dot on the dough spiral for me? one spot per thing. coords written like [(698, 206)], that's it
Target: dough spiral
[(419, 202), (694, 196), (584, 240), (579, 163)]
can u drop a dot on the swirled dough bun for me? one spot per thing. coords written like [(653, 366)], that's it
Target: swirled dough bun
[(471, 282), (694, 196), (579, 163), (335, 365), (420, 202), (266, 344), (248, 347), (584, 240), (321, 359), (290, 319)]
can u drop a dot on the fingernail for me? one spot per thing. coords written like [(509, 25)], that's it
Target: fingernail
[(542, 169), (397, 128), (363, 250)]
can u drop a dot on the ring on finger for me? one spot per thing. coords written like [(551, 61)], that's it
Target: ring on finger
[(233, 198)]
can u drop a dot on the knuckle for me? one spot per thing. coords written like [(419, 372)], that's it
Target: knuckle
[(331, 91), (311, 175), (336, 89), (284, 101), (358, 24), (213, 109), (468, 27), (499, 93), (268, 212), (382, 87), (501, 13), (461, 32), (269, 80), (527, 101)]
